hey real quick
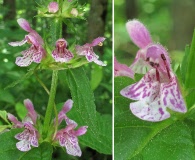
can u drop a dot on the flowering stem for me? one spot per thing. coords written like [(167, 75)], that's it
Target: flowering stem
[(51, 103)]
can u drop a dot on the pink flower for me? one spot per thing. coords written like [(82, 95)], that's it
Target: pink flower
[(53, 7), (27, 138), (30, 135), (87, 51), (36, 52), (67, 137), (155, 96), (159, 88), (149, 51), (122, 69), (60, 53)]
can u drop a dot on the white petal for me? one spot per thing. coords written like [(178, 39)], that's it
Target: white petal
[(99, 62), (72, 146), (149, 111), (24, 61), (23, 145), (14, 44)]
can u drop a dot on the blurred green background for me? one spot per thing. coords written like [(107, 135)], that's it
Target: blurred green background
[(170, 22), (100, 78)]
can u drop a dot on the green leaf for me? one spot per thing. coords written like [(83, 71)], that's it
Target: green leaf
[(8, 150), (21, 110), (99, 133), (3, 127), (6, 96), (120, 101), (190, 83), (184, 63), (43, 152), (27, 75), (3, 115), (96, 76), (136, 139)]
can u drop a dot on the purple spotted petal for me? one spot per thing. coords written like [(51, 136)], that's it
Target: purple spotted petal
[(24, 24), (91, 56), (23, 135), (23, 145), (122, 69), (97, 41), (14, 44), (62, 57), (72, 146), (34, 140), (31, 112), (148, 111), (37, 56), (154, 53), (26, 60), (138, 33), (146, 88), (171, 96)]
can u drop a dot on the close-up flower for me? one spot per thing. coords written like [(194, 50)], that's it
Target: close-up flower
[(154, 96), (87, 51), (60, 53), (158, 89), (29, 137), (36, 52), (67, 137)]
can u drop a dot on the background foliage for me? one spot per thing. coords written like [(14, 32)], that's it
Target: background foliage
[(11, 99)]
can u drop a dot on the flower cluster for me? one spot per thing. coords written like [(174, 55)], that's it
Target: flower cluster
[(60, 54), (29, 137), (158, 89), (67, 137)]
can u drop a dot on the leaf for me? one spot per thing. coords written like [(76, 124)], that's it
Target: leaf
[(96, 76), (27, 75), (190, 83), (6, 96), (184, 62), (21, 110), (99, 133), (3, 127), (43, 152), (3, 115), (8, 150), (136, 139), (121, 104)]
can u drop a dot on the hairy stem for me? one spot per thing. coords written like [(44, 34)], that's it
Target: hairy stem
[(51, 102)]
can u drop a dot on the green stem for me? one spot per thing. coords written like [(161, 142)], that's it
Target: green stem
[(41, 83), (51, 103)]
